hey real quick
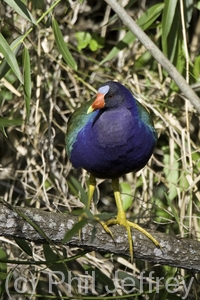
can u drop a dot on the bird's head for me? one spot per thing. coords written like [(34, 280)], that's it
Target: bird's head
[(110, 94)]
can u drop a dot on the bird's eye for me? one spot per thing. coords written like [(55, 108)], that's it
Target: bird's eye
[(110, 96)]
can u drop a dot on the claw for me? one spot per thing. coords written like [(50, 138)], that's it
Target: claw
[(121, 220), (107, 229), (121, 216)]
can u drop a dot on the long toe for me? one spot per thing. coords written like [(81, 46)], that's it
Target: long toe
[(121, 220), (136, 226)]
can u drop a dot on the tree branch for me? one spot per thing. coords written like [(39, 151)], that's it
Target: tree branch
[(182, 253), (156, 53)]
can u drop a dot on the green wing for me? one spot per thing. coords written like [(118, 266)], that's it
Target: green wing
[(75, 123), (145, 115)]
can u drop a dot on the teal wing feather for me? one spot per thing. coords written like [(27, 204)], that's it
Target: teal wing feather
[(146, 117), (144, 114), (76, 122)]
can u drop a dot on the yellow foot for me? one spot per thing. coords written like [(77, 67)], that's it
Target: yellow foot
[(105, 227), (121, 220), (103, 224)]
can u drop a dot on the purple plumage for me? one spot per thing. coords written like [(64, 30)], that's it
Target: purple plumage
[(117, 137)]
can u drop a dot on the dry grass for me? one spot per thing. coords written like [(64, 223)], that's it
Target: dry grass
[(34, 169)]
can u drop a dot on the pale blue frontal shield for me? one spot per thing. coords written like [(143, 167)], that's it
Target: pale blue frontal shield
[(103, 89)]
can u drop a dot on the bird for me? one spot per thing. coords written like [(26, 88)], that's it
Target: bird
[(110, 136)]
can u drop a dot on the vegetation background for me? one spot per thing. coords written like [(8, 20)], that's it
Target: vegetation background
[(54, 56)]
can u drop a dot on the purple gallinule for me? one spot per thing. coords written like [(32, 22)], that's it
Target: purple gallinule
[(109, 137)]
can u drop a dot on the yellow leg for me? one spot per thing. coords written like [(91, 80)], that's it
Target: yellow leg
[(121, 219), (91, 189)]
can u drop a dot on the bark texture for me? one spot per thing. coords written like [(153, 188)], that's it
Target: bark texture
[(183, 253)]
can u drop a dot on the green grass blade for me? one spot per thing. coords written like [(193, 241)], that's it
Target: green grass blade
[(145, 21), (75, 229), (4, 122), (78, 188), (129, 38), (167, 21), (101, 278), (4, 275), (52, 261), (3, 265), (62, 46), (24, 246), (15, 47), (50, 256), (21, 9), (27, 80), (188, 11), (148, 18), (10, 57)]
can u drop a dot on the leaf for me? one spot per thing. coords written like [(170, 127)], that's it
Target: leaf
[(177, 56), (4, 122), (128, 279), (76, 228), (179, 61), (3, 266), (196, 68), (97, 42), (188, 12), (197, 5), (21, 9), (4, 275), (142, 61), (172, 174), (24, 246), (101, 278), (149, 17), (83, 39), (57, 267), (145, 21), (168, 17), (15, 46), (2, 129), (94, 41), (170, 33), (50, 256), (62, 46), (172, 41), (27, 80), (129, 38), (127, 198), (10, 57), (79, 188), (93, 45)]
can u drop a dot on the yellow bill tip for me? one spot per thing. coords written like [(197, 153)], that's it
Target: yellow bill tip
[(90, 109)]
